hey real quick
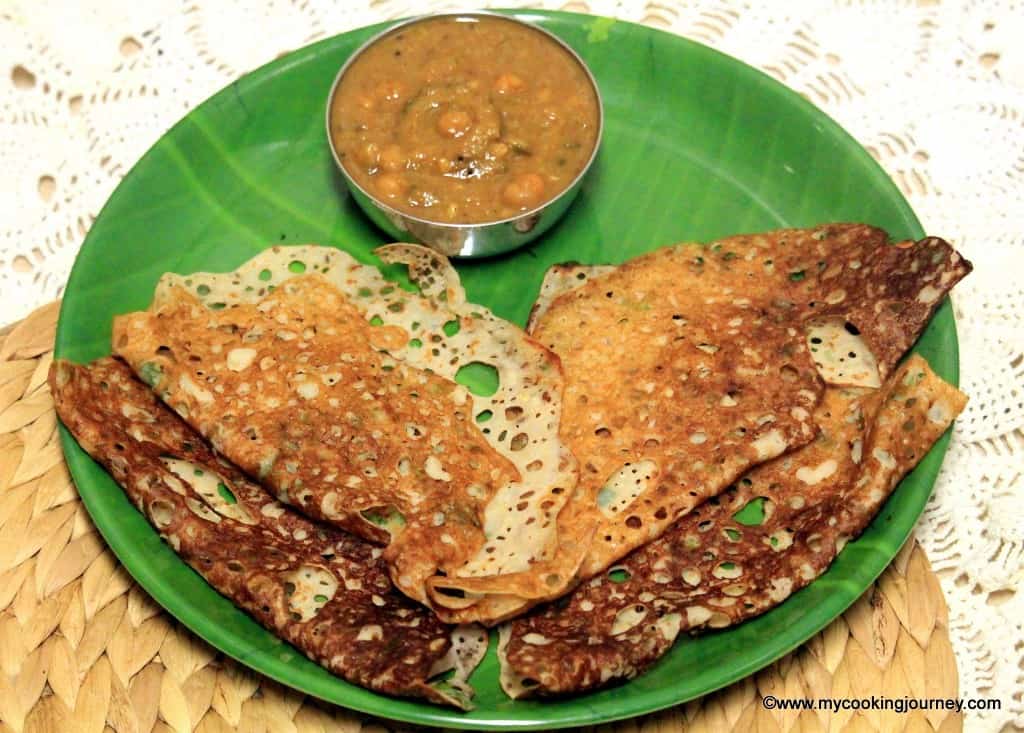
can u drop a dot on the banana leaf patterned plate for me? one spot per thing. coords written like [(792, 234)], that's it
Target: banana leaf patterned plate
[(697, 146)]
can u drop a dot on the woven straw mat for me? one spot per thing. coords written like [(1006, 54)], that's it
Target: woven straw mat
[(83, 649)]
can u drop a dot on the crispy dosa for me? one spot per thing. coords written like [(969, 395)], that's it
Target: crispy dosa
[(687, 366), (336, 389), (321, 589), (739, 554)]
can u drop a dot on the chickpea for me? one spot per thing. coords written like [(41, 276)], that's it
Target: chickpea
[(391, 186), (368, 155), (524, 191), (392, 159), (509, 84), (454, 123), (498, 150)]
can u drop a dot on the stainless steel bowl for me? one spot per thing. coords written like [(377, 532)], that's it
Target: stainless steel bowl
[(481, 239)]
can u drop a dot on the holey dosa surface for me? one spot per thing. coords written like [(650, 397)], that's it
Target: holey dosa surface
[(697, 146)]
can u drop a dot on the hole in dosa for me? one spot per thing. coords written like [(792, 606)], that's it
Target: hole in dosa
[(479, 378)]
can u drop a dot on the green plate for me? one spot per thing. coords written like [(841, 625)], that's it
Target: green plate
[(697, 146)]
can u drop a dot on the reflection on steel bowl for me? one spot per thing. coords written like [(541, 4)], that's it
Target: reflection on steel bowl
[(470, 132)]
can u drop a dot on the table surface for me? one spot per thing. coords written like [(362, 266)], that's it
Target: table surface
[(934, 90)]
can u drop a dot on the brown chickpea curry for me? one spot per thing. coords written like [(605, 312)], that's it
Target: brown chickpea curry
[(464, 119)]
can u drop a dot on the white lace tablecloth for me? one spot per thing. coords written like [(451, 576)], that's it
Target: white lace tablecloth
[(935, 90)]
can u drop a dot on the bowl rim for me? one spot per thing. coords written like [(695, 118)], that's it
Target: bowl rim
[(387, 208)]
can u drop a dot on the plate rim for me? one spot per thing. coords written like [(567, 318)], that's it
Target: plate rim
[(419, 712)]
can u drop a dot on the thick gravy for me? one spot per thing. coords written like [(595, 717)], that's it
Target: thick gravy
[(464, 119)]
